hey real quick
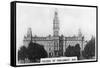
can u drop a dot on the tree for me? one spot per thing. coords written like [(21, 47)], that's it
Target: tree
[(73, 51), (33, 52), (89, 50), (69, 51), (36, 51), (77, 50), (22, 53)]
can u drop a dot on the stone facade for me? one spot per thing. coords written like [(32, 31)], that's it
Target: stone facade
[(55, 45)]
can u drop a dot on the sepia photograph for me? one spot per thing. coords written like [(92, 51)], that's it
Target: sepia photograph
[(50, 33)]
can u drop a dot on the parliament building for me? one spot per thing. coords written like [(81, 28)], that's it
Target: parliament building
[(55, 45)]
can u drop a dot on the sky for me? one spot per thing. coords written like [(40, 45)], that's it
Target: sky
[(40, 19)]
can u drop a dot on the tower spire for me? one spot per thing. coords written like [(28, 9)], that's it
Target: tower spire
[(56, 24), (79, 32), (29, 33)]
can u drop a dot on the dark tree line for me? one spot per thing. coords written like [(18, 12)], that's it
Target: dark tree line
[(33, 52), (73, 51), (87, 53), (89, 50), (36, 51)]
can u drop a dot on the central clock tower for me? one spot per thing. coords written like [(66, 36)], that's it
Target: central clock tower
[(56, 34)]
